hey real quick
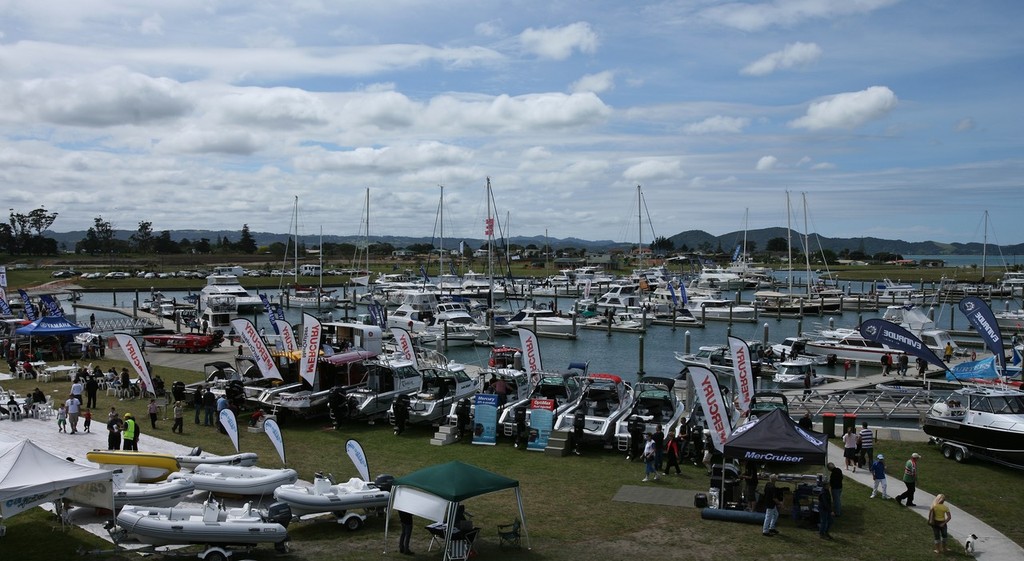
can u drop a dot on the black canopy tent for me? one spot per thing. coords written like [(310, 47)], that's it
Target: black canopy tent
[(776, 438)]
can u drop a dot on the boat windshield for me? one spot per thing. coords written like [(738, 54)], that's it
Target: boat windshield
[(1010, 404)]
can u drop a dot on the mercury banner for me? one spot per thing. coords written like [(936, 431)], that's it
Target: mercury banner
[(485, 419)]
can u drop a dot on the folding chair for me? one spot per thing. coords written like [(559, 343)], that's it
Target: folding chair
[(508, 534), (460, 548)]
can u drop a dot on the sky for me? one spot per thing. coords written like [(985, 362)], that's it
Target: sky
[(886, 118)]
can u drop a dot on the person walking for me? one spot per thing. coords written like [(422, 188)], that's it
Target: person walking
[(62, 418), (152, 409), (649, 468), (835, 485), (772, 504), (867, 445), (878, 478), (659, 446), (922, 365), (131, 428), (87, 417), (179, 418), (750, 481), (74, 407), (673, 448), (910, 478), (850, 449), (904, 362), (113, 431), (938, 518)]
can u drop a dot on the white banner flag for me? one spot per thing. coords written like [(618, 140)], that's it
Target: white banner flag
[(531, 352), (358, 457), (230, 424), (273, 431), (709, 394), (257, 348), (133, 353), (311, 332), (743, 368), (287, 335), (404, 342)]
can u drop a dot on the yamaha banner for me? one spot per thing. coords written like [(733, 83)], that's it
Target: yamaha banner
[(30, 309), (898, 339), (50, 306), (981, 317), (5, 308)]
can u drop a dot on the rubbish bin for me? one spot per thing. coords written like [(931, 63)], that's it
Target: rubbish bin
[(849, 422), (828, 424)]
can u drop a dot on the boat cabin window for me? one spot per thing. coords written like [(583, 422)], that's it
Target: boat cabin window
[(1000, 404)]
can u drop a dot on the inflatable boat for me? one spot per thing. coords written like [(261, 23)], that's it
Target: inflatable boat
[(207, 524), (197, 456), (153, 466), (237, 480), (326, 496)]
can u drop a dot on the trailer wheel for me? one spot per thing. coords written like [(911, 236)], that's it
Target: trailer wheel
[(215, 555), (960, 455), (947, 451), (353, 523)]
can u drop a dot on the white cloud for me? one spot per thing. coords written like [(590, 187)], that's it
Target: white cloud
[(848, 110), (558, 43), (823, 166), (787, 13), (652, 170), (152, 25), (718, 124), (792, 56), (766, 163), (597, 83), (964, 125)]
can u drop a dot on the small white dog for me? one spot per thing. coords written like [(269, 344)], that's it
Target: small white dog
[(969, 544)]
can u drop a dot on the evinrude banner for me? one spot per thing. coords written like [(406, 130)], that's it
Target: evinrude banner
[(358, 457), (311, 334), (709, 394), (984, 321), (230, 424), (273, 431), (257, 348), (744, 371), (133, 353), (899, 339)]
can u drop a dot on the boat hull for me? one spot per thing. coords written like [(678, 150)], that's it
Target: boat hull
[(167, 526), (153, 467), (336, 499), (237, 480), (190, 462)]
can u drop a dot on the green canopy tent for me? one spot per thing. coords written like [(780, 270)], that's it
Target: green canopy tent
[(436, 492)]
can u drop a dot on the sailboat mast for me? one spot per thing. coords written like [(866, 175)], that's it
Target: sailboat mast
[(807, 246), (367, 238), (295, 218), (984, 248), (746, 224), (789, 241), (440, 266), (489, 231)]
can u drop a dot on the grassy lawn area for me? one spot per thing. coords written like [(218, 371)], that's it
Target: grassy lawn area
[(568, 501)]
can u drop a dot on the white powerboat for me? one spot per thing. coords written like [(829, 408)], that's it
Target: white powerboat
[(228, 285), (988, 421), (237, 480), (606, 399), (656, 404), (791, 373), (326, 496), (544, 322), (444, 384), (208, 524), (386, 378), (197, 456)]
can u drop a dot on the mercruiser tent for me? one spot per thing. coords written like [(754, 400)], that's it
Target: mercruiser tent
[(435, 493), (776, 438), (31, 476)]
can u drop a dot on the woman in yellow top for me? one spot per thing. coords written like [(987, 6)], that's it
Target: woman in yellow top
[(938, 517)]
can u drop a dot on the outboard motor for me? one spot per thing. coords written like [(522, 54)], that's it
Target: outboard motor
[(401, 412), (521, 432), (197, 451), (178, 391), (384, 482), (278, 512), (337, 405), (462, 418), (235, 392)]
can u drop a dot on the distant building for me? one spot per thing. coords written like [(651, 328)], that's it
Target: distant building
[(933, 263)]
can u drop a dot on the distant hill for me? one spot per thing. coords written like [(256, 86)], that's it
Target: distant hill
[(691, 239)]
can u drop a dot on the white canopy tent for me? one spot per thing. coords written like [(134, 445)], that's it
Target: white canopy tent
[(31, 476)]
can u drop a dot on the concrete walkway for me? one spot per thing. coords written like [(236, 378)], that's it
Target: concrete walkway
[(990, 546)]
